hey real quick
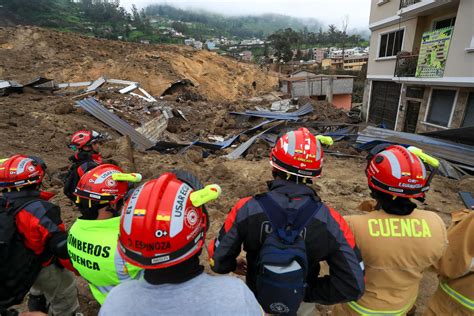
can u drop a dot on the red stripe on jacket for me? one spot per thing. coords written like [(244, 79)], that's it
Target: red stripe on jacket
[(344, 227)]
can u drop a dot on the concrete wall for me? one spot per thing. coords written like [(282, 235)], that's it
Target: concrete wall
[(318, 87), (381, 12), (461, 63), (386, 66)]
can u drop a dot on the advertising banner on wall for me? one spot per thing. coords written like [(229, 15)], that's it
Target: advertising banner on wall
[(434, 53)]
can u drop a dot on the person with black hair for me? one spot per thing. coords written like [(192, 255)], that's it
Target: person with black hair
[(398, 242)]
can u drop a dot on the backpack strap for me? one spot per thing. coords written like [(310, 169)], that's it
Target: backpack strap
[(288, 225)]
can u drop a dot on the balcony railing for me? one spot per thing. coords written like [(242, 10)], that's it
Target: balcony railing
[(406, 3), (406, 65)]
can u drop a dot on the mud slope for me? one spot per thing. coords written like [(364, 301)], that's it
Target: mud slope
[(28, 52)]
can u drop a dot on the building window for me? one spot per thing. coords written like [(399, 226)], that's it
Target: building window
[(444, 23), (469, 116), (391, 43), (441, 106)]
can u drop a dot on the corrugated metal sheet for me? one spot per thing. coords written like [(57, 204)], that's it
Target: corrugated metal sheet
[(305, 109), (244, 146), (96, 84), (100, 112), (459, 153), (463, 135)]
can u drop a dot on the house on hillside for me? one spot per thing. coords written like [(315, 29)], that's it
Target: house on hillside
[(245, 55), (355, 62), (189, 41), (198, 45), (317, 86), (421, 65)]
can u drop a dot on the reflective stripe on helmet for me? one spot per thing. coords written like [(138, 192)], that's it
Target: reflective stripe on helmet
[(291, 143), (458, 297), (179, 206), (394, 163), (128, 214)]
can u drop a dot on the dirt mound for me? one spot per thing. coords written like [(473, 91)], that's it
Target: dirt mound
[(28, 52)]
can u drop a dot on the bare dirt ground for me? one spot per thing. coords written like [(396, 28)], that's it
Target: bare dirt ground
[(41, 124)]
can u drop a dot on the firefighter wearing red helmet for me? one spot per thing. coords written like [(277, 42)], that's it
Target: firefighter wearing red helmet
[(398, 242), (92, 240), (86, 144), (32, 241), (290, 207), (163, 229)]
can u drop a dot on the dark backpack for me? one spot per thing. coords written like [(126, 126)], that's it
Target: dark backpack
[(19, 266), (283, 264)]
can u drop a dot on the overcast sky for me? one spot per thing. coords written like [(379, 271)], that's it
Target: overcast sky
[(327, 11)]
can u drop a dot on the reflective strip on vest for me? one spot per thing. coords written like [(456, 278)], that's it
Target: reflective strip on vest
[(120, 267), (365, 311), (104, 289), (461, 299)]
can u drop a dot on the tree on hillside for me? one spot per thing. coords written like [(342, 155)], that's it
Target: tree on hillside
[(282, 41)]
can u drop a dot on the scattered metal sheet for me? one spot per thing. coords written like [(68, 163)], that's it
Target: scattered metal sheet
[(453, 152), (245, 146), (305, 109), (182, 115), (96, 84), (100, 112), (154, 129), (467, 198), (74, 84), (129, 88), (447, 170), (119, 81), (146, 94), (140, 96), (37, 81), (463, 135), (4, 84)]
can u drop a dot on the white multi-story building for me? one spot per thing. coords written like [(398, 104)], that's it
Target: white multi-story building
[(421, 65)]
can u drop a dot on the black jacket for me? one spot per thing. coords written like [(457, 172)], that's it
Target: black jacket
[(327, 237), (82, 162)]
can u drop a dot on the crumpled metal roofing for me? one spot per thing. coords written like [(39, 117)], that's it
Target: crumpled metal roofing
[(294, 116), (96, 109), (454, 152)]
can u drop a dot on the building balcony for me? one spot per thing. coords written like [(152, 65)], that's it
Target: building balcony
[(406, 65), (409, 8), (406, 3)]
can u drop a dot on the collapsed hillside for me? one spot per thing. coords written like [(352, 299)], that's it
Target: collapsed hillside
[(29, 52)]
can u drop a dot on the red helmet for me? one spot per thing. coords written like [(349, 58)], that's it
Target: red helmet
[(298, 153), (84, 138), (97, 185), (20, 170), (160, 227), (397, 171)]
